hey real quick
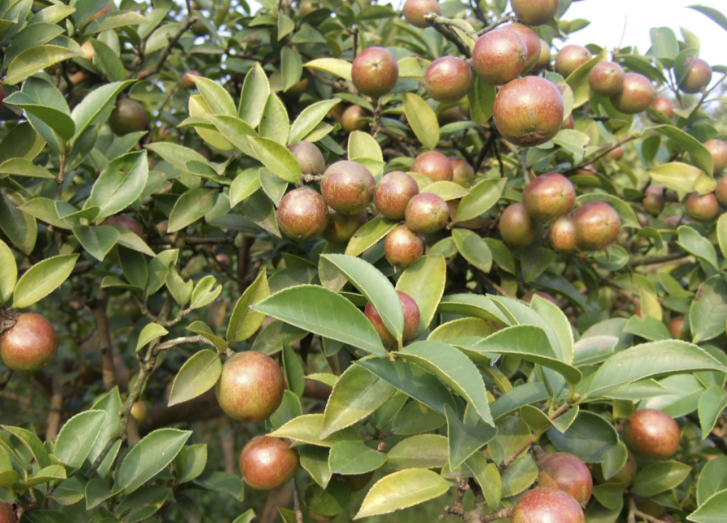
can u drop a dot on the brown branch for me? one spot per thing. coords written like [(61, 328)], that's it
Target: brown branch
[(111, 374), (497, 23), (311, 178), (708, 91), (56, 403), (172, 40), (296, 503), (600, 155), (443, 25)]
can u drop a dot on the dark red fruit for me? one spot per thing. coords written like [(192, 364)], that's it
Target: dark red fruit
[(414, 11), (663, 105), (597, 226), (30, 344), (434, 165), (636, 96), (718, 150), (532, 44), (403, 247), (702, 208), (563, 235), (462, 172), (544, 57), (352, 119), (606, 78), (549, 196), (392, 194), (302, 214), (309, 157), (375, 71), (127, 222), (426, 213), (267, 463), (517, 227), (448, 79), (697, 77), (653, 202), (411, 320), (625, 474), (651, 434), (7, 514), (127, 117), (341, 227), (546, 505), (348, 187), (677, 330), (499, 56), (188, 80), (568, 473), (534, 12), (570, 58)]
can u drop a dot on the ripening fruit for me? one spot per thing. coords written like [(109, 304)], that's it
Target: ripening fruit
[(702, 208), (462, 172), (341, 227), (653, 202), (517, 227), (297, 88), (450, 115), (348, 187), (549, 196), (625, 474), (563, 235), (697, 77), (414, 11), (411, 320), (569, 123), (677, 330), (499, 56), (434, 165), (528, 111), (403, 247), (127, 222), (250, 387), (546, 505), (375, 71), (448, 79), (30, 344), (721, 191), (127, 117), (87, 49), (637, 94), (651, 434), (267, 463), (718, 150), (426, 213), (139, 411), (188, 79), (532, 44), (352, 119), (568, 473), (570, 58), (616, 153), (7, 514), (663, 105), (309, 157), (393, 191), (597, 226), (534, 12), (544, 57), (606, 78), (302, 214), (199, 28)]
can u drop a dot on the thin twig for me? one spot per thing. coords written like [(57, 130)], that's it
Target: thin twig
[(172, 40), (600, 155), (671, 258), (495, 24), (296, 503), (61, 175), (56, 402), (444, 26)]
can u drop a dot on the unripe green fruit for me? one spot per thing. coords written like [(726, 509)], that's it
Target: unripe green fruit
[(597, 226), (403, 247), (348, 187), (139, 411), (267, 463), (127, 222), (543, 58), (188, 80), (651, 434), (448, 79), (462, 172), (30, 344), (546, 505), (563, 236), (606, 78), (697, 77), (568, 473), (570, 58), (664, 106), (677, 330), (517, 227), (625, 474), (127, 117), (302, 214), (549, 196), (532, 44), (426, 213), (375, 71), (414, 11), (718, 150), (392, 194), (411, 320), (250, 387), (309, 157), (434, 165), (534, 12), (341, 227), (702, 208), (7, 514), (352, 119), (499, 56), (636, 96)]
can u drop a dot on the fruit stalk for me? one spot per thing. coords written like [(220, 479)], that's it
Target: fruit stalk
[(600, 155)]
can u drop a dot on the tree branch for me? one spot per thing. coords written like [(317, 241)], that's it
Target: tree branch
[(172, 40), (600, 155), (497, 23), (296, 503), (56, 402), (444, 26)]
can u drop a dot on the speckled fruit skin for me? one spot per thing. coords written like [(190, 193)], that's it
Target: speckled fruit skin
[(426, 213), (563, 235), (534, 12), (651, 434), (127, 117), (697, 77), (341, 227), (663, 105), (188, 81), (309, 156), (676, 329), (414, 11), (606, 78), (517, 227), (568, 473), (251, 387), (462, 172), (570, 58), (127, 222), (267, 463), (718, 150), (597, 226), (546, 505), (499, 56), (448, 79), (653, 201), (302, 214), (403, 247), (30, 344), (549, 196), (352, 119), (625, 474), (528, 111), (532, 44), (411, 320), (702, 208), (7, 514), (375, 71), (636, 96), (721, 191), (393, 191), (544, 57), (434, 165), (348, 187)]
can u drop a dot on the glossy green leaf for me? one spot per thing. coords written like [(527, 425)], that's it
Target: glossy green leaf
[(368, 234), (314, 460), (401, 490), (244, 321), (465, 440), (94, 104), (696, 150), (354, 457), (712, 479), (309, 118), (9, 274), (32, 443), (424, 283), (473, 249), (198, 375), (36, 58), (224, 483), (711, 404), (18, 226), (43, 278), (334, 66), (660, 477), (149, 457), (275, 123), (191, 206), (255, 92), (480, 199), (424, 451), (307, 429), (712, 510), (488, 478), (216, 96), (97, 241), (692, 242), (277, 158), (682, 177), (422, 119), (481, 98), (708, 310), (589, 437), (77, 437)]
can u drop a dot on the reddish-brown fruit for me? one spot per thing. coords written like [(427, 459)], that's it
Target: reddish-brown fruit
[(544, 57), (87, 49), (534, 12), (30, 344), (517, 227), (677, 330), (528, 111), (663, 105), (568, 473), (7, 514), (528, 298), (499, 56), (188, 79), (267, 463), (426, 213), (704, 208), (570, 58), (606, 78), (450, 115), (448, 79), (569, 123), (597, 226), (250, 387), (546, 505), (297, 88), (434, 165), (392, 194), (653, 202), (138, 411), (625, 474), (675, 221), (411, 320), (462, 172), (636, 96), (532, 44), (127, 222), (667, 518), (563, 236), (127, 117), (718, 150), (309, 157), (352, 119), (414, 11), (375, 71), (651, 434), (697, 77), (337, 111), (403, 247), (549, 196), (616, 153), (348, 187), (302, 214), (341, 227), (721, 191)]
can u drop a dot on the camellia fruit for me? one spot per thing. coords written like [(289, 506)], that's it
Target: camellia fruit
[(570, 58), (375, 71), (411, 320), (128, 116), (546, 505), (434, 165), (139, 411), (677, 330), (517, 227), (341, 227), (721, 191), (87, 49), (544, 57), (664, 106), (309, 157), (499, 56), (534, 12), (651, 434), (568, 473), (7, 514), (549, 196), (392, 194), (636, 96), (703, 208), (563, 236), (30, 344), (569, 123), (426, 213), (532, 44), (348, 187), (597, 226), (188, 79), (250, 387), (653, 201), (624, 475), (462, 172), (352, 119), (606, 78), (448, 79), (127, 222), (267, 463), (403, 247), (302, 214), (697, 77), (528, 111), (616, 153), (414, 11), (718, 150)]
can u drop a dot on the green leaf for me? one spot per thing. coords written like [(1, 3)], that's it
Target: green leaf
[(113, 20), (354, 457), (721, 233), (307, 429), (714, 508), (180, 290), (294, 373), (190, 462), (368, 234), (696, 150), (553, 316), (712, 479), (93, 105), (26, 168), (480, 199), (149, 457), (247, 517), (477, 306), (682, 177), (660, 477), (150, 333), (191, 206), (32, 443), (18, 226), (488, 478), (178, 155), (277, 158), (198, 375), (49, 474), (119, 185), (589, 437), (422, 119), (708, 311), (614, 460), (43, 278), (77, 437), (648, 327), (424, 283), (402, 489), (473, 249), (111, 404), (334, 66), (244, 321), (519, 476), (36, 58), (711, 404), (314, 460), (255, 92), (216, 96), (481, 97), (446, 190), (9, 274), (692, 242), (309, 118), (107, 60), (539, 422), (465, 440), (275, 123), (424, 451), (291, 65), (223, 482), (245, 184), (205, 292), (664, 44), (512, 400), (97, 241), (42, 100), (714, 15)]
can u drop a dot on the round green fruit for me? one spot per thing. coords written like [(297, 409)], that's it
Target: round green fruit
[(375, 71), (426, 213), (651, 434), (128, 116), (302, 214), (403, 247), (546, 505), (517, 227), (549, 196), (411, 320), (448, 79), (348, 187), (392, 194), (267, 463), (568, 473)]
